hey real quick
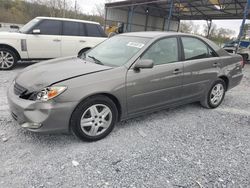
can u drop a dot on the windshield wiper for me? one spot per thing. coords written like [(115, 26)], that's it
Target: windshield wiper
[(97, 61)]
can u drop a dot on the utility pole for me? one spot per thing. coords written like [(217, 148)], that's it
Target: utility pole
[(64, 7), (75, 8)]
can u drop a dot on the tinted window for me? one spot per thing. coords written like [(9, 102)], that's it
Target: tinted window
[(196, 49), (82, 29), (163, 51), (93, 30), (71, 28), (50, 27)]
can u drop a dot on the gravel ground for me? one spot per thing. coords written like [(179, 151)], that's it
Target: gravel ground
[(187, 146)]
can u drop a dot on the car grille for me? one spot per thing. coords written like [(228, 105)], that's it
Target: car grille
[(18, 90)]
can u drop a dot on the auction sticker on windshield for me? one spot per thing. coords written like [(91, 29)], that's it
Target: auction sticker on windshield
[(135, 44)]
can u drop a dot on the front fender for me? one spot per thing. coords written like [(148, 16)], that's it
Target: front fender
[(15, 45)]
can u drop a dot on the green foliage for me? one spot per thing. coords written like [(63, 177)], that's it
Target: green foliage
[(20, 11)]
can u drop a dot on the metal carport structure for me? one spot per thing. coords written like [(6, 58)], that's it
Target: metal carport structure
[(143, 15)]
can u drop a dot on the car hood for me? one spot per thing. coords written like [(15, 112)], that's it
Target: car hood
[(47, 73), (11, 35)]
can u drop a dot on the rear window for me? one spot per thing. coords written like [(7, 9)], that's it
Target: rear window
[(195, 49)]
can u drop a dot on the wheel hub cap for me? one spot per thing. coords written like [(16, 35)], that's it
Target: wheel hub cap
[(96, 119), (217, 94), (6, 60)]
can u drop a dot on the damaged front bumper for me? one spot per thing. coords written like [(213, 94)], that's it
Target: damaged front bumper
[(38, 116)]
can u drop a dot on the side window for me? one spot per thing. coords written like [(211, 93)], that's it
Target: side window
[(163, 51), (101, 31), (71, 28), (196, 49), (50, 27), (93, 30), (82, 29)]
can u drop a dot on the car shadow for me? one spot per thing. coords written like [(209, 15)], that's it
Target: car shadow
[(23, 65), (69, 138)]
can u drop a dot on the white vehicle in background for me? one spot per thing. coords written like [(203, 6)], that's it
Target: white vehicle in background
[(45, 38), (10, 27)]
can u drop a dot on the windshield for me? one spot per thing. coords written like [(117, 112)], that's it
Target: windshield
[(29, 25), (116, 51)]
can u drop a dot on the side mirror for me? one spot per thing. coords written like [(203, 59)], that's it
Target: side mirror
[(36, 31), (144, 64)]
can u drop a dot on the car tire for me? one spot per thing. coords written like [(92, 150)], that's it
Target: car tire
[(215, 95), (8, 59), (94, 118)]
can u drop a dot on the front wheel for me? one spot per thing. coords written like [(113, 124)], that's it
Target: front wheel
[(215, 95), (94, 118), (8, 59)]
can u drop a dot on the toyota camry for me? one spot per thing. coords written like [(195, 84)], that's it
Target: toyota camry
[(123, 77)]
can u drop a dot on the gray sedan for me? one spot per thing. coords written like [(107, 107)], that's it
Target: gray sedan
[(123, 77)]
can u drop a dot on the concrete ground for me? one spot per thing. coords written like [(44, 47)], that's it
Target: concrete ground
[(188, 146)]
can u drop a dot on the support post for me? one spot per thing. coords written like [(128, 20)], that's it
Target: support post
[(243, 24), (105, 19), (178, 28), (170, 14), (164, 23), (130, 18), (146, 22)]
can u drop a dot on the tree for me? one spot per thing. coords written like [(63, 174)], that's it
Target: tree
[(209, 29), (186, 27), (100, 8), (19, 11)]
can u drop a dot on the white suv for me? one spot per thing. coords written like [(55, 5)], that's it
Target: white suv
[(46, 38)]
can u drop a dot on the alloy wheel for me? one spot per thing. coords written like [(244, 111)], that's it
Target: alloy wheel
[(216, 94), (6, 60), (96, 119)]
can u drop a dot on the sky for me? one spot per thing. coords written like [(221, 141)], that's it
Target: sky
[(227, 24), (89, 6)]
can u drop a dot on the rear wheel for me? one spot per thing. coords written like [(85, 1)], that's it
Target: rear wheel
[(215, 95), (94, 118), (8, 59)]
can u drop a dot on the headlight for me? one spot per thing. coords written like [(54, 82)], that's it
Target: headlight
[(50, 92)]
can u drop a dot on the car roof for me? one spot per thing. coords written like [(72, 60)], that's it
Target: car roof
[(67, 19), (156, 34)]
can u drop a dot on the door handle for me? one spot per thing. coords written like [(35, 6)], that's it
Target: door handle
[(177, 71), (216, 64), (82, 41), (56, 40)]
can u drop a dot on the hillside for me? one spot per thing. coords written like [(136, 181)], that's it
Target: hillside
[(20, 12)]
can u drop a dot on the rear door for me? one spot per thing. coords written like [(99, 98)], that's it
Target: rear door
[(47, 44), (70, 38), (201, 66), (161, 85)]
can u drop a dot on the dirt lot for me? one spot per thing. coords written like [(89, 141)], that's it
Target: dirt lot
[(184, 147)]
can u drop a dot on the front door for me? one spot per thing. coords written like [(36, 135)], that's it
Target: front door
[(161, 85), (47, 44)]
